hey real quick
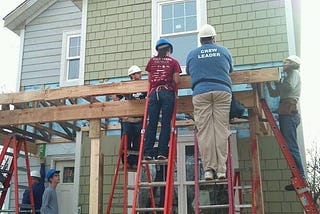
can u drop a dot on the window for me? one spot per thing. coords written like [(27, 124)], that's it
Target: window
[(70, 60), (179, 22)]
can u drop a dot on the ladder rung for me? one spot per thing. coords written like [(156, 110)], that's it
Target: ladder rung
[(214, 206), (25, 206), (152, 184), (22, 169), (243, 206), (20, 155), (23, 187), (149, 209), (155, 161), (213, 182), (246, 187)]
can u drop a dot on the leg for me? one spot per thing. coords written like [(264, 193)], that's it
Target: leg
[(167, 103), (221, 109), (288, 126), (206, 134), (153, 114)]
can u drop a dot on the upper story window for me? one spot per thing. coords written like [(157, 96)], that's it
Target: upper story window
[(179, 21), (70, 60)]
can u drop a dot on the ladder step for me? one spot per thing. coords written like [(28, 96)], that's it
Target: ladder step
[(163, 162), (23, 169), (243, 206), (140, 209), (20, 155), (214, 206), (246, 187), (213, 182), (25, 206), (23, 187), (152, 184)]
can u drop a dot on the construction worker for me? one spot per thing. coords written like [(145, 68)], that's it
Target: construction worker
[(289, 118), (49, 198), (132, 125), (37, 188), (163, 77), (209, 66)]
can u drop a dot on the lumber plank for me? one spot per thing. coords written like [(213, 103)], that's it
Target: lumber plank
[(127, 87)]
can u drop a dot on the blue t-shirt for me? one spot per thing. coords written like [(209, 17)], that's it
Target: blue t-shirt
[(209, 66)]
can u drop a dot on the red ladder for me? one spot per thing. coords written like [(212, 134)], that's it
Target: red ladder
[(9, 168), (297, 181), (233, 182), (170, 162), (123, 152)]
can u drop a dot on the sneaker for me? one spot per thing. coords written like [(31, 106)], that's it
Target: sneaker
[(289, 187), (147, 158), (221, 175), (161, 157), (208, 175)]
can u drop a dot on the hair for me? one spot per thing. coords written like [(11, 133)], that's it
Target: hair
[(206, 40), (162, 52)]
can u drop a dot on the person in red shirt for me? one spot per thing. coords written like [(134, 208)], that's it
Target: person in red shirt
[(163, 76)]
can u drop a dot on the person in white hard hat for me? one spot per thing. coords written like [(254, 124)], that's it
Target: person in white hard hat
[(289, 118), (37, 188), (132, 125), (209, 66)]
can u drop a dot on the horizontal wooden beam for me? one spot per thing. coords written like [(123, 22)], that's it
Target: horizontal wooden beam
[(126, 87)]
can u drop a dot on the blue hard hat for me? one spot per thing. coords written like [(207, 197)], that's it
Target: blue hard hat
[(163, 42), (51, 172)]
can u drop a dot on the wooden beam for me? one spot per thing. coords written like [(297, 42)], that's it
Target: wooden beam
[(257, 194), (127, 87), (87, 111), (95, 200)]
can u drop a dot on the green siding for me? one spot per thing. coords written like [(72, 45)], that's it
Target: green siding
[(118, 36), (257, 28)]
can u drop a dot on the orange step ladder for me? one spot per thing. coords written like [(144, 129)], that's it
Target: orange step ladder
[(297, 181), (232, 181), (10, 168), (168, 165)]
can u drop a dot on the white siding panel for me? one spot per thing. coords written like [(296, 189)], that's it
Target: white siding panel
[(43, 42)]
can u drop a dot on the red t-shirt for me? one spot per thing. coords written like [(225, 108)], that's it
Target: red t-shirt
[(161, 71)]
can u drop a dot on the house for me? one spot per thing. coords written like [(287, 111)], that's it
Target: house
[(88, 42)]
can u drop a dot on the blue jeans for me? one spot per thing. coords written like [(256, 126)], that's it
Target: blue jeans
[(133, 131), (288, 127), (163, 101)]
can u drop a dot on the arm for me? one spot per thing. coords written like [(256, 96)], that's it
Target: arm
[(42, 170), (274, 92), (176, 78)]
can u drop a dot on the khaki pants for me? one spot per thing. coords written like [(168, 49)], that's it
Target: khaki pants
[(211, 114)]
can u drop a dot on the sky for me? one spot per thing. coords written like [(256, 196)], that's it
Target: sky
[(310, 71)]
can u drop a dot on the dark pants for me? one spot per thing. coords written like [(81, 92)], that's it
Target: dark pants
[(288, 126), (163, 101), (133, 131)]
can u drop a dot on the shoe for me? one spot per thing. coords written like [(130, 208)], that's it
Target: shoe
[(161, 157), (208, 175), (221, 175), (289, 187), (147, 158)]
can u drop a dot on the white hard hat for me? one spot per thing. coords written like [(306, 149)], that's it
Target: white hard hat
[(35, 174), (294, 58), (133, 69), (207, 31)]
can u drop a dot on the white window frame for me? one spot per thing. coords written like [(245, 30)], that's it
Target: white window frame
[(157, 19), (64, 68)]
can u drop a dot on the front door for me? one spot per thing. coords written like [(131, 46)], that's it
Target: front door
[(66, 185)]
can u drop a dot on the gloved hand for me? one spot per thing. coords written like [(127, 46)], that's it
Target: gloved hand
[(42, 160)]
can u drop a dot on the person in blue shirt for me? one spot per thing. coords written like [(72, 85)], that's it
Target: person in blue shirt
[(209, 67), (37, 189), (49, 198)]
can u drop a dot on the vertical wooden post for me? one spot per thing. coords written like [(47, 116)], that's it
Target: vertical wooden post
[(257, 194), (95, 197)]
